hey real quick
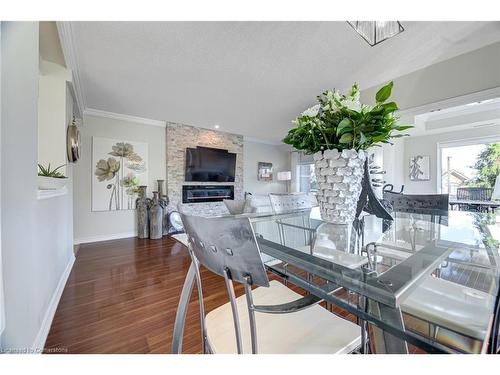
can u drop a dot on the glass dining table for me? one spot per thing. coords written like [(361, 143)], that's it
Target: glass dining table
[(420, 280)]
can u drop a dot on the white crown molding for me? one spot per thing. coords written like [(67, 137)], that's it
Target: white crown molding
[(262, 141), (43, 332), (66, 36), (122, 117)]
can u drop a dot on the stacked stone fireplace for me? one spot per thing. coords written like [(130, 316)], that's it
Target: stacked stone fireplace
[(180, 137)]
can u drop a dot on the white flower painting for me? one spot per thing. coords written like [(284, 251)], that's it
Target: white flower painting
[(118, 169)]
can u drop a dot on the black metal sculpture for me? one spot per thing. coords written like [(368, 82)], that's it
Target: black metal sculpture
[(368, 201)]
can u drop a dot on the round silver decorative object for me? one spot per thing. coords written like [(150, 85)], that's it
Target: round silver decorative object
[(175, 223), (73, 142)]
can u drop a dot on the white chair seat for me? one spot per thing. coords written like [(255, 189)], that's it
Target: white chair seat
[(450, 305), (181, 237), (313, 330), (393, 253), (341, 258)]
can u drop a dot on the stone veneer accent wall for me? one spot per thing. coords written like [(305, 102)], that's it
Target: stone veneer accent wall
[(180, 137)]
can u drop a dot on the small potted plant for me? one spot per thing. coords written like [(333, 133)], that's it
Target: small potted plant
[(50, 179), (337, 131)]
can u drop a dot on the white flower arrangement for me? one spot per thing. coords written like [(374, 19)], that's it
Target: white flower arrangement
[(341, 122)]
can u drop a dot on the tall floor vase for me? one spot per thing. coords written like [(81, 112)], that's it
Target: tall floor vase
[(163, 198), (142, 206), (155, 218)]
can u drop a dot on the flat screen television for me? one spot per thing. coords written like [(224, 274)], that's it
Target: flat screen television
[(206, 164)]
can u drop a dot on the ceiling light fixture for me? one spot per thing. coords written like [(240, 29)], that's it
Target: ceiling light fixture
[(216, 126), (375, 32)]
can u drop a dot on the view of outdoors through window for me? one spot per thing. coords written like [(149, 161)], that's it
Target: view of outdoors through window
[(307, 179), (469, 166)]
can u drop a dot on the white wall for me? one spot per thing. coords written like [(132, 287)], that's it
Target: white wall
[(465, 74), (254, 152), (468, 73), (392, 163), (36, 234), (52, 115), (95, 226), (2, 301), (428, 145)]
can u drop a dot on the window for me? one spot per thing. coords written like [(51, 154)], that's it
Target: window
[(472, 165), (307, 178)]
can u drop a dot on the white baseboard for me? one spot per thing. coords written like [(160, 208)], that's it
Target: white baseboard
[(41, 337), (104, 237)]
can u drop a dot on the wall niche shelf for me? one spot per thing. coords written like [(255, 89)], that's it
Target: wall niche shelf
[(46, 194)]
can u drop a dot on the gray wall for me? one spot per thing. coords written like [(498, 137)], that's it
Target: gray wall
[(428, 145), (468, 73), (36, 234), (253, 153), (94, 226)]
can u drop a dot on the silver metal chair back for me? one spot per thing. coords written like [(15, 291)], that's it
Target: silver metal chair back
[(226, 244), (227, 247), (282, 203)]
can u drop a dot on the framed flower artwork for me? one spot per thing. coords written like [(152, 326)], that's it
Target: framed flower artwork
[(118, 169)]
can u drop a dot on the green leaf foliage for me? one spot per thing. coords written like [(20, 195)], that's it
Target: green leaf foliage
[(341, 122), (384, 93), (47, 172), (487, 166)]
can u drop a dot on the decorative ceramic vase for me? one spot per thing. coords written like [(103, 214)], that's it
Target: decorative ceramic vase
[(164, 203), (155, 218), (141, 206), (339, 176)]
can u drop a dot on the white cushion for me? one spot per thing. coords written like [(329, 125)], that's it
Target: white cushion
[(452, 306), (182, 238), (313, 330), (352, 261)]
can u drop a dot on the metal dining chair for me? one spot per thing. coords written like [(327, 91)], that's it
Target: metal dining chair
[(268, 319), (431, 204), (287, 202), (291, 202), (437, 301)]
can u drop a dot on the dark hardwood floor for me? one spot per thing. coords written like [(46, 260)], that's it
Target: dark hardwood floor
[(122, 296)]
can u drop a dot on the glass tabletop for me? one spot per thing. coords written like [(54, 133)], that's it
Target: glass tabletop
[(432, 280)]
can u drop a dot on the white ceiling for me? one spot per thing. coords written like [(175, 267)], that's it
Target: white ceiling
[(251, 78)]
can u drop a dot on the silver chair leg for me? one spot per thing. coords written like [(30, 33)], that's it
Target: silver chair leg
[(201, 305), (180, 316), (251, 314), (234, 309)]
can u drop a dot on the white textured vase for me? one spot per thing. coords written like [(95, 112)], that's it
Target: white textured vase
[(339, 176)]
